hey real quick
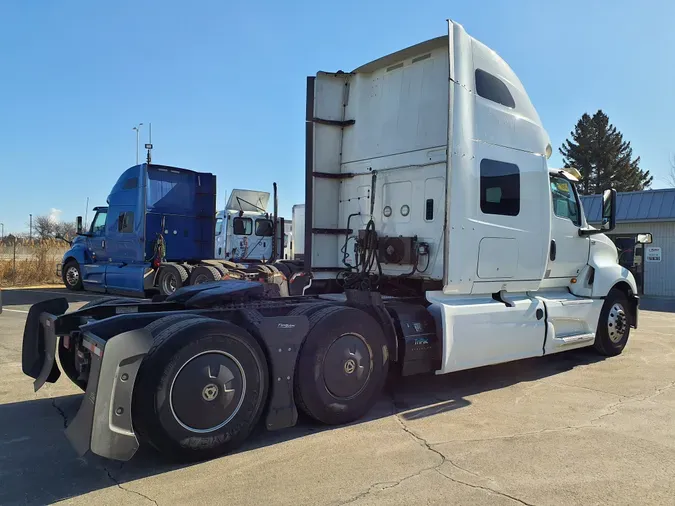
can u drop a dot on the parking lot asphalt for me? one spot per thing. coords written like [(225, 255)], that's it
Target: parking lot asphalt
[(572, 428)]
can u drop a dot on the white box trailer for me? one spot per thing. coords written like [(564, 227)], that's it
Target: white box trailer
[(433, 216), (298, 231)]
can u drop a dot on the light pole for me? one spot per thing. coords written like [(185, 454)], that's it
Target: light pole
[(138, 131), (2, 236)]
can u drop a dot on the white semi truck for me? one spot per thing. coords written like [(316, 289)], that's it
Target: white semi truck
[(244, 229), (432, 217)]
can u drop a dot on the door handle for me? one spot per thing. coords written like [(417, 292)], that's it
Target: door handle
[(553, 250)]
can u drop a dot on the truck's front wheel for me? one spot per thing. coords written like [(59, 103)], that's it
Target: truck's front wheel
[(201, 389), (614, 324), (72, 275)]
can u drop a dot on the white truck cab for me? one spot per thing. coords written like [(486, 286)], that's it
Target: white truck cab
[(429, 173), (244, 229)]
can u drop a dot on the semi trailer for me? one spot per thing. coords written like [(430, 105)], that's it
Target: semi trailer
[(435, 229), (157, 234)]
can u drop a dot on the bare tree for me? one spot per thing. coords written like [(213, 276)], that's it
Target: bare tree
[(44, 227)]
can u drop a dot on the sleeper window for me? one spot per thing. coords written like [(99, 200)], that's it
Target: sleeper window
[(125, 223), (499, 188)]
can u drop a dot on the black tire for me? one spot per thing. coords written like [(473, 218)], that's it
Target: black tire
[(284, 269), (614, 324), (167, 415), (309, 309), (341, 342), (204, 274), (171, 278), (67, 356), (72, 276)]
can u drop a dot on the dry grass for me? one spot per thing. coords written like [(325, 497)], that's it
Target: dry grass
[(35, 263)]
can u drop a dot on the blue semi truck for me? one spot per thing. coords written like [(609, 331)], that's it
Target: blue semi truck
[(156, 235)]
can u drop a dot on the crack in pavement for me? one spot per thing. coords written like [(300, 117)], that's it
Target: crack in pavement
[(119, 485), (486, 489), (385, 485), (61, 412)]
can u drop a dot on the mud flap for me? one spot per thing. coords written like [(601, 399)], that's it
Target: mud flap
[(103, 423), (283, 337), (38, 350)]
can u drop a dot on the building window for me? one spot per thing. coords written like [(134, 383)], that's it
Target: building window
[(429, 212), (242, 226), (264, 228), (130, 183), (499, 188), (493, 88), (125, 223), (565, 203)]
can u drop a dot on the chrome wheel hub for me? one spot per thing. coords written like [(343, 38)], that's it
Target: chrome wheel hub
[(72, 276), (617, 323)]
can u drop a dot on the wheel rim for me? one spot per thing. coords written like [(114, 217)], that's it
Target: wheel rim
[(207, 391), (72, 275), (617, 323), (169, 283), (347, 366), (201, 278)]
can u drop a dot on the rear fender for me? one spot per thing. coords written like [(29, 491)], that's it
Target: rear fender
[(103, 423)]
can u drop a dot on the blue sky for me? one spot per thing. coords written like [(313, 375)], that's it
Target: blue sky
[(223, 83)]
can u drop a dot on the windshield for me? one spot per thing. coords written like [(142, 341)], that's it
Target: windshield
[(219, 226)]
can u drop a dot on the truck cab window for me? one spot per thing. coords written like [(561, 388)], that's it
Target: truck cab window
[(264, 228), (98, 225), (564, 199), (219, 226), (499, 188), (125, 222), (242, 226)]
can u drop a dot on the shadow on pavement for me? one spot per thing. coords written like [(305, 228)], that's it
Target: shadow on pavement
[(38, 466)]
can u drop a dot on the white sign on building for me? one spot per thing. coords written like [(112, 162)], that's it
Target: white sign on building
[(653, 254)]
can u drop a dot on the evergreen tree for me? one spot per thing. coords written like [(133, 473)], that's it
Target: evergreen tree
[(604, 159)]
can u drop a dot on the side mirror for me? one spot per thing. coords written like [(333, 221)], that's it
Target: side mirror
[(79, 225), (608, 210), (644, 238)]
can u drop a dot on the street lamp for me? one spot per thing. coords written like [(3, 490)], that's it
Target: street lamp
[(138, 131), (2, 236)]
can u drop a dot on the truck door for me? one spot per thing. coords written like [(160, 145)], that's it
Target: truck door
[(569, 251), (94, 272)]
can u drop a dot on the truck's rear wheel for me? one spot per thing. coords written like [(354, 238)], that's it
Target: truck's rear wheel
[(342, 366), (204, 274), (614, 324), (72, 276), (171, 278), (201, 389)]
